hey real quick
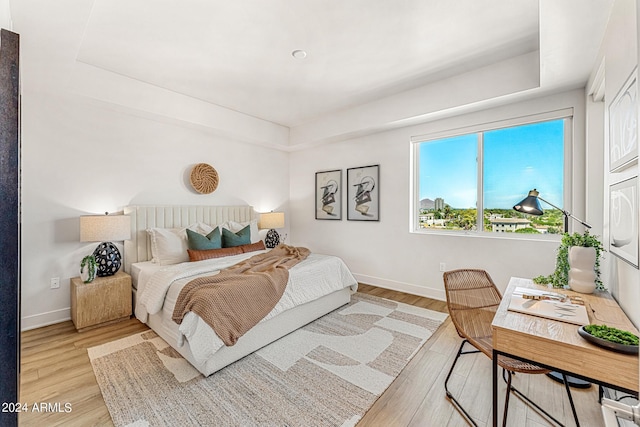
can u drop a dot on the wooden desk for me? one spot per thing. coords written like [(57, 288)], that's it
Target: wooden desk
[(556, 345)]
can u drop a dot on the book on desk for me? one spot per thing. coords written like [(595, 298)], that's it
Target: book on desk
[(549, 305)]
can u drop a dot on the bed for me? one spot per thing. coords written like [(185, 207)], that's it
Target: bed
[(316, 286)]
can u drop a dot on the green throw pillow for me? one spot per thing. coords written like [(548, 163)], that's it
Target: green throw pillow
[(197, 241), (231, 239)]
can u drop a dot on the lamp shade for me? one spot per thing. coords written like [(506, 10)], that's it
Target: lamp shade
[(530, 204), (271, 220), (105, 228)]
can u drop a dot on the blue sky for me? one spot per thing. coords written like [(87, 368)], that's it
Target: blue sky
[(516, 160)]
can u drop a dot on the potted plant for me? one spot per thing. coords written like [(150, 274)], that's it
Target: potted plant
[(88, 269), (560, 277)]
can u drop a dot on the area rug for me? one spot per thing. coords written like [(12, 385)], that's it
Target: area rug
[(327, 373)]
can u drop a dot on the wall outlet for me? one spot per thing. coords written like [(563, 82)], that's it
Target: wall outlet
[(55, 282), (443, 266)]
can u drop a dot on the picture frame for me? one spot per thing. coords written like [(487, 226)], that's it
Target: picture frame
[(623, 126), (623, 220), (329, 195), (363, 193)]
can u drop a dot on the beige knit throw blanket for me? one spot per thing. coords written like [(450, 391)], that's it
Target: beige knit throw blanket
[(236, 299)]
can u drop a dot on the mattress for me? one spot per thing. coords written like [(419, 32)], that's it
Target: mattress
[(142, 272)]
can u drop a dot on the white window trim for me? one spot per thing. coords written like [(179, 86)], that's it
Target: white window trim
[(415, 141)]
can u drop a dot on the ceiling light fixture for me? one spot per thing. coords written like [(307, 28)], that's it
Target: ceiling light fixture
[(299, 54)]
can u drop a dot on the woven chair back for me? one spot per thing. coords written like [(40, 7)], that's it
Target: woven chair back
[(472, 299)]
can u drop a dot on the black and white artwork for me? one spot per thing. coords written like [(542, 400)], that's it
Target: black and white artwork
[(363, 201), (329, 195), (623, 126), (623, 220)]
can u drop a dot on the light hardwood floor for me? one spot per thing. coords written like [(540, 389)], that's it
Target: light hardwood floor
[(55, 368)]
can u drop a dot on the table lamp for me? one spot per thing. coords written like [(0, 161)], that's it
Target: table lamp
[(105, 228), (531, 205), (271, 220)]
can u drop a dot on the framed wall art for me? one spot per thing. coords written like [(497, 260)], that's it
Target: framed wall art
[(623, 126), (329, 195), (363, 195), (623, 220)]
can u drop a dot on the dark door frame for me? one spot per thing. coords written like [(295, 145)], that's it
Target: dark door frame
[(9, 227)]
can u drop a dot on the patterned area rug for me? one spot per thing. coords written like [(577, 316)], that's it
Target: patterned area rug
[(327, 373)]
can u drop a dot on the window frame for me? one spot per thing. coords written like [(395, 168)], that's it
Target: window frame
[(565, 114)]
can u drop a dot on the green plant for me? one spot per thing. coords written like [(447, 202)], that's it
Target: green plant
[(89, 262), (560, 277), (612, 334)]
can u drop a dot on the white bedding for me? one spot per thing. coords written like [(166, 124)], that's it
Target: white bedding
[(158, 289), (142, 271)]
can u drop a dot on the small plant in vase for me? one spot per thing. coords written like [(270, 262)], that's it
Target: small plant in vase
[(88, 268), (564, 273)]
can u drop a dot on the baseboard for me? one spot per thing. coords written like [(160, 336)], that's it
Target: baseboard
[(45, 319), (409, 288)]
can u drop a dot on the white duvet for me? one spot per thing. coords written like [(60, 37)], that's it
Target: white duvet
[(313, 278)]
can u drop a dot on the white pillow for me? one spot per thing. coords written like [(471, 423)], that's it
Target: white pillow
[(237, 226), (169, 245)]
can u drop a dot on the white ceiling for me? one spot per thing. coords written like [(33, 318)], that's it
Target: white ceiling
[(237, 54)]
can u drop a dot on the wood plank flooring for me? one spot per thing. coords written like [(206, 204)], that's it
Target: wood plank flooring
[(55, 369), (417, 396)]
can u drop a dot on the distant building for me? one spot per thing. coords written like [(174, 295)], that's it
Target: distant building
[(542, 229), (502, 225), (429, 216), (438, 203), (428, 220)]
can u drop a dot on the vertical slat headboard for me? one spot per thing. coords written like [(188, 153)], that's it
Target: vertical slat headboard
[(144, 217)]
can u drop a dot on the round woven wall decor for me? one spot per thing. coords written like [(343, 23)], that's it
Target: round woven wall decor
[(204, 178)]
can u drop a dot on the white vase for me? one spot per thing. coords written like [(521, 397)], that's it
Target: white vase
[(582, 274)]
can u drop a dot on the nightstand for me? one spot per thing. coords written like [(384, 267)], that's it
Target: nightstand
[(105, 300)]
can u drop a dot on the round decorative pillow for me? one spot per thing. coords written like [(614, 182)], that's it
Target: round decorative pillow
[(108, 259), (204, 178)]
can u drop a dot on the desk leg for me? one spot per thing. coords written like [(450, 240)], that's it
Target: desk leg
[(495, 388)]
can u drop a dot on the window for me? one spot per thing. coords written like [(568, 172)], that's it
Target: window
[(448, 183), (489, 171)]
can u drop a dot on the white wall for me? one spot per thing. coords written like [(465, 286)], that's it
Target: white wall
[(89, 152), (455, 93), (5, 15), (80, 159), (619, 53), (384, 253)]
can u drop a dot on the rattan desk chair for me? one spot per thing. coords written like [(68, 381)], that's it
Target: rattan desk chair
[(472, 299)]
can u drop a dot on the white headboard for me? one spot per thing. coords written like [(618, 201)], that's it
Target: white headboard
[(143, 217)]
